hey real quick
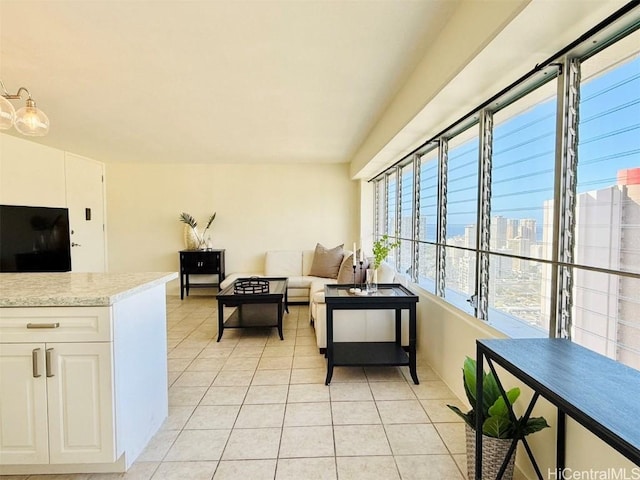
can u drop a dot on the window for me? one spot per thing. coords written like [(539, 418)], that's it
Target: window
[(461, 219), (428, 215), (522, 182), (527, 210), (406, 220), (606, 304)]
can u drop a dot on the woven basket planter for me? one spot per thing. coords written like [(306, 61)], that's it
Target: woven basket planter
[(494, 451)]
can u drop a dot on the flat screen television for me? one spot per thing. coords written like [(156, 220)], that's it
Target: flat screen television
[(34, 239)]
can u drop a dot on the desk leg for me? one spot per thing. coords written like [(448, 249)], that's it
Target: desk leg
[(286, 300), (478, 432), (280, 315), (220, 320), (187, 283), (181, 286), (329, 351), (560, 440), (412, 340)]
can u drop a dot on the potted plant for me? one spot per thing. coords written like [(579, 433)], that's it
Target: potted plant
[(381, 249), (192, 238), (498, 427)]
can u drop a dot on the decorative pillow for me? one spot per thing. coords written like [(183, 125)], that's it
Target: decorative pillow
[(345, 275), (326, 263)]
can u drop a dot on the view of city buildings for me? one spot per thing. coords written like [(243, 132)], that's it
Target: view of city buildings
[(605, 306)]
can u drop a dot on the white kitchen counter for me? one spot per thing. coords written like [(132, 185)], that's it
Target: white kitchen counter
[(83, 370), (75, 289)]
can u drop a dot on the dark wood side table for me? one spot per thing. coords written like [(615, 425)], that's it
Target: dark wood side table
[(200, 262), (390, 296), (598, 392)]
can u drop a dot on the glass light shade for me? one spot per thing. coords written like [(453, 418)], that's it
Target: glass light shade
[(31, 121), (7, 114)]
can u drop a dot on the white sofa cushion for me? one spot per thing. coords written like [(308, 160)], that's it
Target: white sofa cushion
[(307, 261), (386, 273), (229, 279), (283, 263), (303, 281)]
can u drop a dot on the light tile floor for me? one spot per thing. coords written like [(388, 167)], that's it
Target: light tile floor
[(253, 406)]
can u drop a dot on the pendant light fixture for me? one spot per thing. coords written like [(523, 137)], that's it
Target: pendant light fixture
[(29, 120)]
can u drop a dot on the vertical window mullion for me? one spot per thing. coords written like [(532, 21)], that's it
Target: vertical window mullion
[(484, 214), (398, 223), (565, 198), (443, 155), (386, 204), (415, 228)]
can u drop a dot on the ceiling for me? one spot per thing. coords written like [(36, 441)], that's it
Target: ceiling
[(272, 81), (214, 81)]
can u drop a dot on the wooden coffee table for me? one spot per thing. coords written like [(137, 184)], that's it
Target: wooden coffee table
[(254, 309)]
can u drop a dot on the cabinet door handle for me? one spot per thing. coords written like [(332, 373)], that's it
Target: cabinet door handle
[(43, 325), (35, 353), (49, 362)]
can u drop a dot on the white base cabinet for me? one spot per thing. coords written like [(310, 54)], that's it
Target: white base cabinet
[(24, 435), (62, 410), (82, 389)]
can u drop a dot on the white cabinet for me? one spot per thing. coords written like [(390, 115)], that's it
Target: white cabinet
[(23, 404), (56, 398), (83, 389), (80, 403)]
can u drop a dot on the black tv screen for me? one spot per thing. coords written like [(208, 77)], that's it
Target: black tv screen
[(34, 239)]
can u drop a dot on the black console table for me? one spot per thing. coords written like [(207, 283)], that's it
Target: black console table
[(200, 262), (599, 393), (390, 296)]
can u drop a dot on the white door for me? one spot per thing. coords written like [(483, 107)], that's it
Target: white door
[(23, 404), (81, 420), (85, 200)]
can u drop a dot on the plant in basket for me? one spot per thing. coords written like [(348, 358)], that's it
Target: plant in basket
[(498, 427)]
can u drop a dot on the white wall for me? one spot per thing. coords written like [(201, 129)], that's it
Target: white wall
[(259, 208), (31, 174)]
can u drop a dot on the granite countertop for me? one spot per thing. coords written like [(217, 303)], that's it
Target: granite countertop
[(75, 289)]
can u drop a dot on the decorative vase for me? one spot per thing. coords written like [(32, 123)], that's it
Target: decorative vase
[(371, 280), (494, 451), (191, 240)]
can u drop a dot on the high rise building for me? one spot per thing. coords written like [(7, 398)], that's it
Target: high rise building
[(606, 308), (498, 232)]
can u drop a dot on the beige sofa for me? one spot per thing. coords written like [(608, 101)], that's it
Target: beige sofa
[(293, 264)]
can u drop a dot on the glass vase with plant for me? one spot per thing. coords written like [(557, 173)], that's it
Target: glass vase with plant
[(381, 249)]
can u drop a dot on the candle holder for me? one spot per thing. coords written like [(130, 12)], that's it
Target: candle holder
[(354, 277), (361, 262), (355, 289)]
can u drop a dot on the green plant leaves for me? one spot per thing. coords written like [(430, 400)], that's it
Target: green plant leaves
[(498, 427), (188, 219), (495, 411), (499, 408), (534, 424), (381, 249)]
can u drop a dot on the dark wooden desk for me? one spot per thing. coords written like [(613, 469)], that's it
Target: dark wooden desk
[(599, 393), (200, 262), (390, 296)]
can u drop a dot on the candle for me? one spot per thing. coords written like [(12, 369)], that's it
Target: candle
[(354, 254), (361, 255)]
